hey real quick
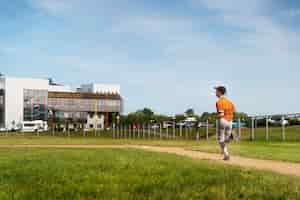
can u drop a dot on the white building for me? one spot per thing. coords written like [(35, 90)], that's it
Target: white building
[(13, 97), (100, 88), (27, 99)]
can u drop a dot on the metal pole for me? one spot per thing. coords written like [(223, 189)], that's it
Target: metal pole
[(239, 129), (283, 128), (206, 129), (160, 131), (68, 130), (149, 131), (267, 128), (6, 130), (174, 131), (180, 130), (252, 128), (217, 127), (53, 131), (167, 132), (113, 131)]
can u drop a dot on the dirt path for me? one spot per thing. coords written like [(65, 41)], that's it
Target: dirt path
[(275, 166)]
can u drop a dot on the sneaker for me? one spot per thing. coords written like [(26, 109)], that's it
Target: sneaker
[(226, 158)]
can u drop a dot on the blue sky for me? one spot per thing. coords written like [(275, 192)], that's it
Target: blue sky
[(166, 55)]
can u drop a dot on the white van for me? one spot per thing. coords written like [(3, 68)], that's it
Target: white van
[(34, 126)]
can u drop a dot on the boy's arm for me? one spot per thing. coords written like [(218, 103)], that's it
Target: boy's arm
[(220, 110)]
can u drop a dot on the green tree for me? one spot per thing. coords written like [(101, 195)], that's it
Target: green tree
[(190, 112), (179, 118)]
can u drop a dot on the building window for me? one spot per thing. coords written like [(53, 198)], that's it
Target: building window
[(2, 108), (35, 105)]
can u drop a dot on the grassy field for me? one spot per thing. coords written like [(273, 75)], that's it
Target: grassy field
[(285, 151), (292, 133), (131, 174)]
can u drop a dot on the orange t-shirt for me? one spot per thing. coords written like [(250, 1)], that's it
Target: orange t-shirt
[(225, 106)]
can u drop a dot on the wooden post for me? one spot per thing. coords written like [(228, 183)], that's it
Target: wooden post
[(239, 129)]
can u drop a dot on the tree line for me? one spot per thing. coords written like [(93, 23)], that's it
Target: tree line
[(146, 116)]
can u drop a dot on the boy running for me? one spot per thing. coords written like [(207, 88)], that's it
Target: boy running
[(225, 111)]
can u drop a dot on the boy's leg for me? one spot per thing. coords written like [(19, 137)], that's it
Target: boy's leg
[(222, 138), (228, 133), (222, 133)]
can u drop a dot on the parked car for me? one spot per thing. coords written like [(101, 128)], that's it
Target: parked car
[(180, 124), (279, 122), (3, 129), (236, 125), (34, 126), (168, 124), (155, 126)]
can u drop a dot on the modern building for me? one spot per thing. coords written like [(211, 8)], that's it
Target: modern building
[(92, 106)]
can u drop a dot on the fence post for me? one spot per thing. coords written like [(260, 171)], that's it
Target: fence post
[(267, 128), (174, 131), (149, 131), (206, 129), (198, 134), (180, 131), (252, 129), (239, 129), (283, 128), (126, 131), (53, 131), (6, 130), (160, 130), (167, 131), (217, 129)]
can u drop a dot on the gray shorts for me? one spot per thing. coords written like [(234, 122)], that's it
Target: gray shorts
[(224, 130)]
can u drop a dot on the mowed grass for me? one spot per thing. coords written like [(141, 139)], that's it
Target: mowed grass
[(131, 174), (292, 134), (284, 151)]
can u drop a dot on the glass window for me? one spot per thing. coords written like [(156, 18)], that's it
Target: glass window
[(2, 108), (35, 105)]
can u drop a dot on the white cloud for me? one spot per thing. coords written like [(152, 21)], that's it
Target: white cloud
[(252, 46)]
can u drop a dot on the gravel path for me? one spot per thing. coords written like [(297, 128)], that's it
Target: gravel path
[(275, 166)]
